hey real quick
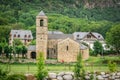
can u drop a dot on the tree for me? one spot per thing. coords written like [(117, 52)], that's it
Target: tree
[(24, 51), (33, 42), (17, 47), (98, 48), (42, 72), (113, 37), (1, 49), (17, 42), (79, 70), (8, 50), (4, 33), (18, 50)]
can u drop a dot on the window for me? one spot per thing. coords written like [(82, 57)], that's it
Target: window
[(18, 35), (88, 36), (28, 40), (14, 35), (41, 22), (67, 48), (25, 36), (99, 36), (78, 35), (29, 36)]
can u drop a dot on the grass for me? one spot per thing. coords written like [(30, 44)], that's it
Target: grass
[(92, 64)]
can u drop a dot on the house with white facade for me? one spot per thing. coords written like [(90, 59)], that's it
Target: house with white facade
[(89, 38)]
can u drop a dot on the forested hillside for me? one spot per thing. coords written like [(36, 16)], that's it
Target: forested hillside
[(65, 15)]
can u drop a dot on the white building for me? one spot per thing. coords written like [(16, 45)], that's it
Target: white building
[(89, 38)]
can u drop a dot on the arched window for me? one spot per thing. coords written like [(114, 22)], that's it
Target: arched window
[(99, 36), (78, 35), (41, 22), (18, 35), (67, 48), (14, 35)]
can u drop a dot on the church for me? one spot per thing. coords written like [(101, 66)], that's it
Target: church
[(54, 44)]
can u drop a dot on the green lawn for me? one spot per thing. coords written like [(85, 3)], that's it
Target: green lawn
[(93, 64)]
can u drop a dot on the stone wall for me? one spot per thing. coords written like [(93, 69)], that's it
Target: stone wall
[(68, 50), (41, 35), (88, 76), (85, 53), (52, 49)]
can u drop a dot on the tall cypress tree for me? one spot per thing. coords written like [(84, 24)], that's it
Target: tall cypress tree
[(42, 72), (79, 70)]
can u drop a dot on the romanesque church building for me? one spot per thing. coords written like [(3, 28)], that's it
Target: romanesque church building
[(55, 44)]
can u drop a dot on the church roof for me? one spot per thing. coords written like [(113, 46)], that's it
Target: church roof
[(21, 34), (41, 13), (60, 36), (55, 32), (32, 48), (82, 46)]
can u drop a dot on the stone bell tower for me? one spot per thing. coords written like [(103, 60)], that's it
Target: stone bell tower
[(41, 34)]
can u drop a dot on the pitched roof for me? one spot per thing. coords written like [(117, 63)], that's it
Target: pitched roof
[(41, 13), (22, 34), (60, 36), (83, 34), (55, 32), (32, 48), (82, 46), (97, 35)]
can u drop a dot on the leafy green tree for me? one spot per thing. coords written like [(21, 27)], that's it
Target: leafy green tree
[(113, 37), (17, 47), (17, 42), (8, 50), (98, 48), (4, 33), (1, 49), (24, 51), (42, 72), (33, 42), (18, 50), (79, 70)]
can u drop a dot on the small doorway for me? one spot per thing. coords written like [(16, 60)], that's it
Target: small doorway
[(33, 55)]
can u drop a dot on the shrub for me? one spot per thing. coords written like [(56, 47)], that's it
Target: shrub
[(16, 77), (3, 74), (42, 72), (79, 70), (112, 66)]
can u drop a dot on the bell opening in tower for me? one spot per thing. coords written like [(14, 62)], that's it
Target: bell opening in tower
[(41, 22)]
